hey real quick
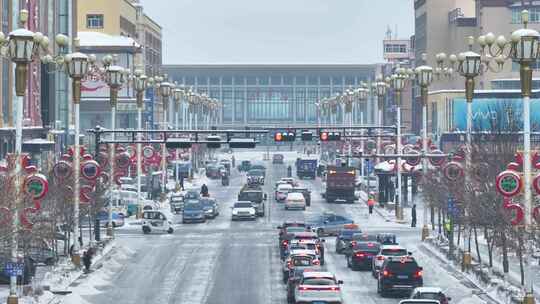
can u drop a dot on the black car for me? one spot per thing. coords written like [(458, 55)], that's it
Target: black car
[(399, 274), (344, 238), (255, 177), (387, 238), (305, 192), (361, 254)]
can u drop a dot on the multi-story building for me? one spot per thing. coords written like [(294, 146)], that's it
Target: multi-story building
[(399, 53), (443, 26), (273, 94), (46, 105), (121, 27)]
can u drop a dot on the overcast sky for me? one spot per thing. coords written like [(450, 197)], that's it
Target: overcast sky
[(278, 31)]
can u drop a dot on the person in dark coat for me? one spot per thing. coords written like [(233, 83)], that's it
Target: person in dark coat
[(413, 216), (204, 190), (87, 259)]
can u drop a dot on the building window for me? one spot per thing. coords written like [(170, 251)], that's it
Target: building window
[(534, 14), (94, 21), (395, 48)]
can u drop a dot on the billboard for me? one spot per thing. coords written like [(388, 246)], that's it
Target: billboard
[(495, 114)]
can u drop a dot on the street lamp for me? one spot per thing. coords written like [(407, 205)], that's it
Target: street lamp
[(380, 89), (362, 93), (424, 77), (23, 46), (77, 68), (165, 92), (398, 84), (114, 77), (140, 83), (177, 96)]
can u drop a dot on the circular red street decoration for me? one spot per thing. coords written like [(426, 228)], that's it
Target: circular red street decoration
[(36, 186), (413, 160), (519, 158), (62, 170), (71, 151), (453, 171), (90, 170), (536, 214), (536, 183), (519, 214), (148, 152), (508, 183), (437, 160), (120, 149), (122, 160), (85, 193)]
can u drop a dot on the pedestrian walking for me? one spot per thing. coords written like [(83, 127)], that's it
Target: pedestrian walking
[(87, 259), (413, 216), (371, 204)]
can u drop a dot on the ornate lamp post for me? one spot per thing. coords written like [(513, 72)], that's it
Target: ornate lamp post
[(424, 76), (140, 83), (362, 94), (177, 96), (380, 88), (23, 46), (115, 77), (398, 84), (165, 92), (77, 68)]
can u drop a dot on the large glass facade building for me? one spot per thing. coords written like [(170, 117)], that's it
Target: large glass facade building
[(271, 94)]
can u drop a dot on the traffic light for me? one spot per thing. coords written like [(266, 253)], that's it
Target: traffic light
[(329, 136), (284, 136), (307, 136)]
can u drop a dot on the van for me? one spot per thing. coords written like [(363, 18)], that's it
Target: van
[(295, 200)]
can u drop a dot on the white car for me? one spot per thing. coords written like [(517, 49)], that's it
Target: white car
[(289, 180), (295, 200), (318, 287), (430, 293), (157, 221), (282, 191), (243, 210), (312, 254), (385, 252)]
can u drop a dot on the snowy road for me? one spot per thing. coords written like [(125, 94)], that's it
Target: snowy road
[(225, 262)]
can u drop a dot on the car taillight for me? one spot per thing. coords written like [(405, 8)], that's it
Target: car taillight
[(360, 254), (334, 288), (284, 243), (316, 262), (380, 258), (418, 274), (289, 264), (353, 243), (386, 273)]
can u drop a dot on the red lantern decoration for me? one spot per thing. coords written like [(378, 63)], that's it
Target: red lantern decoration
[(62, 170), (513, 166), (90, 170), (85, 192), (148, 152)]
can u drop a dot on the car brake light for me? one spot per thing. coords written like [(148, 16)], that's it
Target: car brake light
[(285, 243), (316, 262), (334, 288), (289, 264), (418, 274), (380, 258), (360, 255), (386, 273), (353, 243)]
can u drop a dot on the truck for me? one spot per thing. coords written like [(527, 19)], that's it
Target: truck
[(340, 184), (306, 167), (254, 194)]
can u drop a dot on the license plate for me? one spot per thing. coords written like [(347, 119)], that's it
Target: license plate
[(402, 277)]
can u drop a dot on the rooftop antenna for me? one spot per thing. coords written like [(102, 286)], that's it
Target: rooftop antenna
[(388, 33), (396, 32)]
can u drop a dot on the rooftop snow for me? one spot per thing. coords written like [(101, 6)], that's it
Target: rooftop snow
[(101, 39)]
